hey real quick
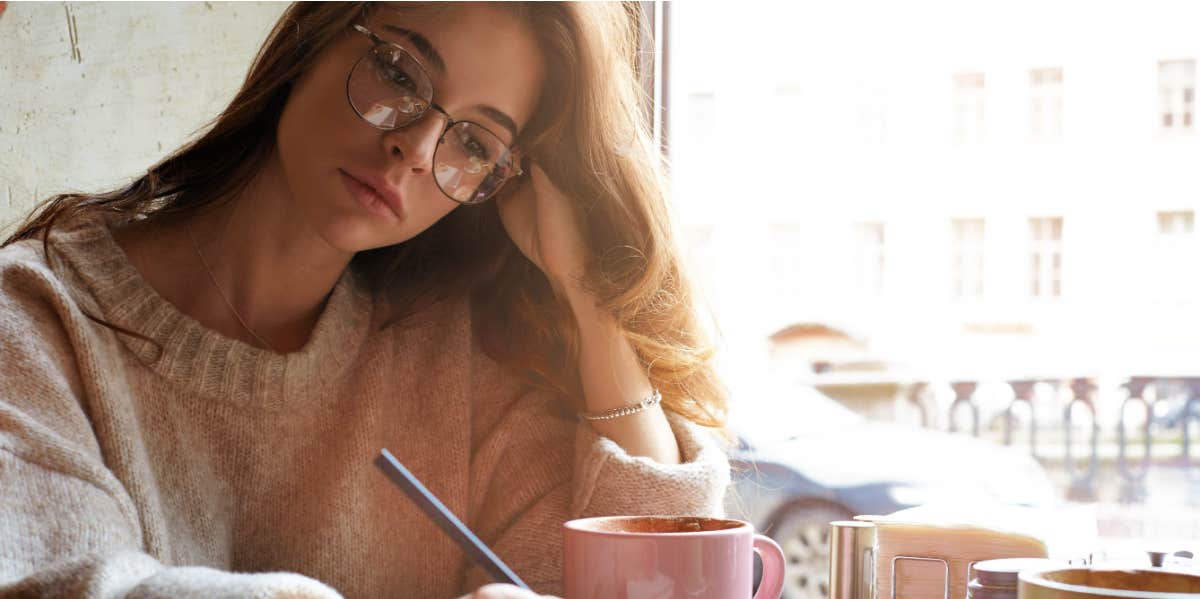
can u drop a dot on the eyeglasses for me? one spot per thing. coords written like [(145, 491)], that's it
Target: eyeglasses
[(389, 89)]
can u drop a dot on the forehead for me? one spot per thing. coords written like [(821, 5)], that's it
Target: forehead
[(490, 57)]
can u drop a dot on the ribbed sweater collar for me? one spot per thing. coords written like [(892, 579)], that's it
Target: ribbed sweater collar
[(199, 360)]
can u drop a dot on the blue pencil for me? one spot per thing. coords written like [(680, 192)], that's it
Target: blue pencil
[(479, 553)]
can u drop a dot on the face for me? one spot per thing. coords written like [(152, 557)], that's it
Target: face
[(485, 67)]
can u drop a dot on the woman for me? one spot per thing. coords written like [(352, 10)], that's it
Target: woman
[(436, 229)]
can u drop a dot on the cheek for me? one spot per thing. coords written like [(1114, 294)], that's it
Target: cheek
[(317, 119)]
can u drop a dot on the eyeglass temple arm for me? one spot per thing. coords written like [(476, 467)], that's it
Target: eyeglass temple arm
[(367, 32)]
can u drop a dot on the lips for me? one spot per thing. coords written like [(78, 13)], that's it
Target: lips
[(377, 187)]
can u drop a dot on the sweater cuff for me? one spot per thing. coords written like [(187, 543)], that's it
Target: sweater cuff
[(611, 482), (207, 583), (136, 575)]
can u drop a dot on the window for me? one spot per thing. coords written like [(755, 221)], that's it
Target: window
[(1046, 103), (1173, 259), (871, 114), (787, 260), (702, 258), (803, 121), (1177, 94), (869, 260), (1174, 239), (653, 20), (702, 118), (968, 108), (1175, 224), (966, 255), (1045, 251)]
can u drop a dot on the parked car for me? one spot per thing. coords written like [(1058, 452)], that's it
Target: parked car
[(1176, 400), (804, 460)]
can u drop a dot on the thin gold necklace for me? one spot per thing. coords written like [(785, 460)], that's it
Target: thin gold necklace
[(221, 292)]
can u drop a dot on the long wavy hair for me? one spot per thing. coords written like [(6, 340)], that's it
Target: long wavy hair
[(587, 133)]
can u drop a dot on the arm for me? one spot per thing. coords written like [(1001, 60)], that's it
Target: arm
[(68, 526), (613, 377), (64, 536), (525, 483), (539, 219)]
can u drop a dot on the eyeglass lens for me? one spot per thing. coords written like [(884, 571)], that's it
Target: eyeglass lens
[(389, 89)]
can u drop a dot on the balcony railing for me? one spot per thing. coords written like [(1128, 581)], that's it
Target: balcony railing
[(1147, 421)]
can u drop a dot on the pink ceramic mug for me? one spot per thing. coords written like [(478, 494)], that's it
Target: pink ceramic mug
[(662, 557)]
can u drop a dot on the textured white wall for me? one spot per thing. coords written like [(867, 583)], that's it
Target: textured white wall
[(93, 93)]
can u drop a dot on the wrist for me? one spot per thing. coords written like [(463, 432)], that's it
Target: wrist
[(581, 302)]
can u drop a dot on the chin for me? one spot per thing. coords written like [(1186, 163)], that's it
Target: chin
[(348, 235), (352, 235)]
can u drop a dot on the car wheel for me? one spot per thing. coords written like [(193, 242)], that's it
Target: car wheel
[(802, 531)]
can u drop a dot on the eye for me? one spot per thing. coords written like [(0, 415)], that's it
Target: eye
[(475, 148), (388, 63), (472, 146), (400, 78)]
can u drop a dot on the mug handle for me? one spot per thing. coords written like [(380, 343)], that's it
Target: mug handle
[(771, 585)]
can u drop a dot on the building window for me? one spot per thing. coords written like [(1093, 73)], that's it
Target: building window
[(787, 260), (1175, 224), (1177, 94), (803, 121), (966, 255), (702, 258), (1046, 103), (968, 108), (871, 115), (869, 258), (1174, 257), (1045, 251), (702, 118)]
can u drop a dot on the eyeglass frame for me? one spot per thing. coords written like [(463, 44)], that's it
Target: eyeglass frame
[(377, 41)]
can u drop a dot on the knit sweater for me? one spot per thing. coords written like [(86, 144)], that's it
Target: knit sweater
[(205, 467)]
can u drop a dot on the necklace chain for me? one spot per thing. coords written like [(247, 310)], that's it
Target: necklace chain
[(212, 277)]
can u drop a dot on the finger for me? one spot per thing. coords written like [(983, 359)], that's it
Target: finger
[(518, 212), (503, 591), (542, 184)]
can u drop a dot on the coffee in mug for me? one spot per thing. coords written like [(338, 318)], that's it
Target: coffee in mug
[(663, 557)]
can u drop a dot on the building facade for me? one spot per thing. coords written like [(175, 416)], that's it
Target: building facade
[(980, 190)]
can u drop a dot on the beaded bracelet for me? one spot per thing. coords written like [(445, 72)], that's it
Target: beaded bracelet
[(652, 400)]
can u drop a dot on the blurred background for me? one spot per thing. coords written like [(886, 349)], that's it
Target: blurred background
[(963, 227), (947, 249)]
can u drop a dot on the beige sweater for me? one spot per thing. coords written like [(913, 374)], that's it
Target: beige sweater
[(221, 470)]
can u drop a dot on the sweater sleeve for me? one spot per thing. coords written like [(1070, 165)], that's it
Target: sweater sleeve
[(61, 536), (68, 527), (537, 470)]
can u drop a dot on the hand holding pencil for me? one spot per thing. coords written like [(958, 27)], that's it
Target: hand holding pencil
[(503, 591), (512, 586)]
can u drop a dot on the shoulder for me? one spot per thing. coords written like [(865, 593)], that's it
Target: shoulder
[(41, 321), (27, 252), (34, 274), (29, 287), (40, 381), (35, 306)]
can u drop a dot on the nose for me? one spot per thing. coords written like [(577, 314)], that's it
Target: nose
[(415, 144)]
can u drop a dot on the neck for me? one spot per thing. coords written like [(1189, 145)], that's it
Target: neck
[(267, 261)]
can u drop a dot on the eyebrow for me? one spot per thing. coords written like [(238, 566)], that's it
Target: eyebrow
[(422, 45), (501, 119), (434, 58)]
